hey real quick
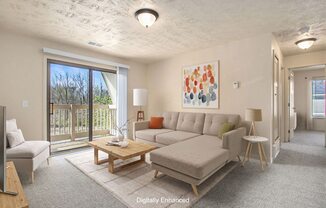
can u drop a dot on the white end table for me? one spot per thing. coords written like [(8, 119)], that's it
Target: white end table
[(259, 141)]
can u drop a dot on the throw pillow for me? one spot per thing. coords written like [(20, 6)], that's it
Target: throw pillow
[(225, 127), (15, 138), (11, 125), (156, 123)]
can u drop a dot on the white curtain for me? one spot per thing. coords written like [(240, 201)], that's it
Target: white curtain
[(111, 82), (122, 97), (309, 105)]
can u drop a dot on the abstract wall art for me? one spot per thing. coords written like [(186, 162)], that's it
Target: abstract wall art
[(201, 86)]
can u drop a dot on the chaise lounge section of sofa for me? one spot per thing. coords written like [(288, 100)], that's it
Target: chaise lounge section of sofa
[(191, 150)]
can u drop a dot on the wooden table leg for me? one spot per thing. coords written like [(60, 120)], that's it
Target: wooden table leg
[(250, 149), (194, 188), (96, 156), (156, 173), (246, 155), (263, 151), (111, 164), (260, 156), (142, 157)]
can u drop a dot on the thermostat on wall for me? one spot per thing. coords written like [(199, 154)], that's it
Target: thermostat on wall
[(236, 84)]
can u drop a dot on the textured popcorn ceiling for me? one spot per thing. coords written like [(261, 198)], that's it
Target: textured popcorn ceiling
[(183, 25), (287, 38)]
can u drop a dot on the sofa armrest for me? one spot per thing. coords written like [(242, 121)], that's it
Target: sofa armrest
[(232, 141), (139, 125)]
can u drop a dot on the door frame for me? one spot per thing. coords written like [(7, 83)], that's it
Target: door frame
[(90, 69), (287, 102)]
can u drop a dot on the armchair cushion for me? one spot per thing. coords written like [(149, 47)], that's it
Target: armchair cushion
[(15, 138), (28, 149)]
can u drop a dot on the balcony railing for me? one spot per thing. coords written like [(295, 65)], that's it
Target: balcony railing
[(70, 122)]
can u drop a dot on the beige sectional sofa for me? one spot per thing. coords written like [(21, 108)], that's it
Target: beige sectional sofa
[(190, 148)]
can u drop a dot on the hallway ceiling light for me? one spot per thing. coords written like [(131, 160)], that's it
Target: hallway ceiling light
[(146, 17), (305, 43)]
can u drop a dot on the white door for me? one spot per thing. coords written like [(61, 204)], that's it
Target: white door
[(276, 112), (291, 106)]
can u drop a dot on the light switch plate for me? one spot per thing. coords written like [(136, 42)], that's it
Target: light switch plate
[(25, 103)]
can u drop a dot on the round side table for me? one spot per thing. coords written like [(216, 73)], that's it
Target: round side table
[(259, 141)]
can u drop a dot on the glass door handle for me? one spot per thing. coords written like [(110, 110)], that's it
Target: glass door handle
[(51, 108)]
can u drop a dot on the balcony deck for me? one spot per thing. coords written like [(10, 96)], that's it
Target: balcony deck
[(69, 125)]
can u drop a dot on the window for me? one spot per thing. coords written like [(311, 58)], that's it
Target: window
[(82, 104), (318, 98)]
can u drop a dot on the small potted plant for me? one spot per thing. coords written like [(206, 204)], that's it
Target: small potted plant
[(121, 130)]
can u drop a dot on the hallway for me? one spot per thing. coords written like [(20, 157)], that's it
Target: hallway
[(311, 138)]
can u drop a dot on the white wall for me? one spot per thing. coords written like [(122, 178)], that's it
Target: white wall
[(248, 61), (301, 98), (23, 77), (300, 60)]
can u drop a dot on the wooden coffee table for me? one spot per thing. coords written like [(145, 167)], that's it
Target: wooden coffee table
[(134, 149)]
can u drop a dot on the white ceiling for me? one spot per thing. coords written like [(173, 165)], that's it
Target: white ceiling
[(287, 38), (309, 68), (183, 25)]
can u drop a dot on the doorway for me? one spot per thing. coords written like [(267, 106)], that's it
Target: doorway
[(81, 104), (306, 107)]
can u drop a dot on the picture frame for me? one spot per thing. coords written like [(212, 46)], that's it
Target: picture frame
[(201, 85)]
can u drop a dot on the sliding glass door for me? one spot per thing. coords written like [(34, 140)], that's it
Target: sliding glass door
[(104, 103), (80, 98)]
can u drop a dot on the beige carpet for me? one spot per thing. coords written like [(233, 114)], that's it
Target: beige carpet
[(135, 186)]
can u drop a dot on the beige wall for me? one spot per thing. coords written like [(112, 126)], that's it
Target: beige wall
[(22, 77), (248, 61), (300, 60), (305, 59), (301, 98)]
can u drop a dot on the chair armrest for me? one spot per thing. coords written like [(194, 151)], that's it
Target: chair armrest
[(139, 125), (232, 141)]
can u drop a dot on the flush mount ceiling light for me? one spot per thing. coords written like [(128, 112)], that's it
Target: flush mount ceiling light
[(146, 17), (305, 43)]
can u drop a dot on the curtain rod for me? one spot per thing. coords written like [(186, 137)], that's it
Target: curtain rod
[(83, 58)]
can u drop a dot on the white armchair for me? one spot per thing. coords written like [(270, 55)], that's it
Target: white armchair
[(29, 155)]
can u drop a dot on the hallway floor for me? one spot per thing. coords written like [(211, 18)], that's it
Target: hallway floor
[(311, 138)]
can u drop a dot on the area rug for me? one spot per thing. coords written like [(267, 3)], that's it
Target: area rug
[(135, 185)]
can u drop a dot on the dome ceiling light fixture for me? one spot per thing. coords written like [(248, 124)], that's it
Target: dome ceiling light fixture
[(146, 17), (305, 43)]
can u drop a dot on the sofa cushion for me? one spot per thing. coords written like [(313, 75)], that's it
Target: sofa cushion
[(196, 157), (213, 122), (149, 134), (191, 122), (28, 149), (170, 120), (174, 136)]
